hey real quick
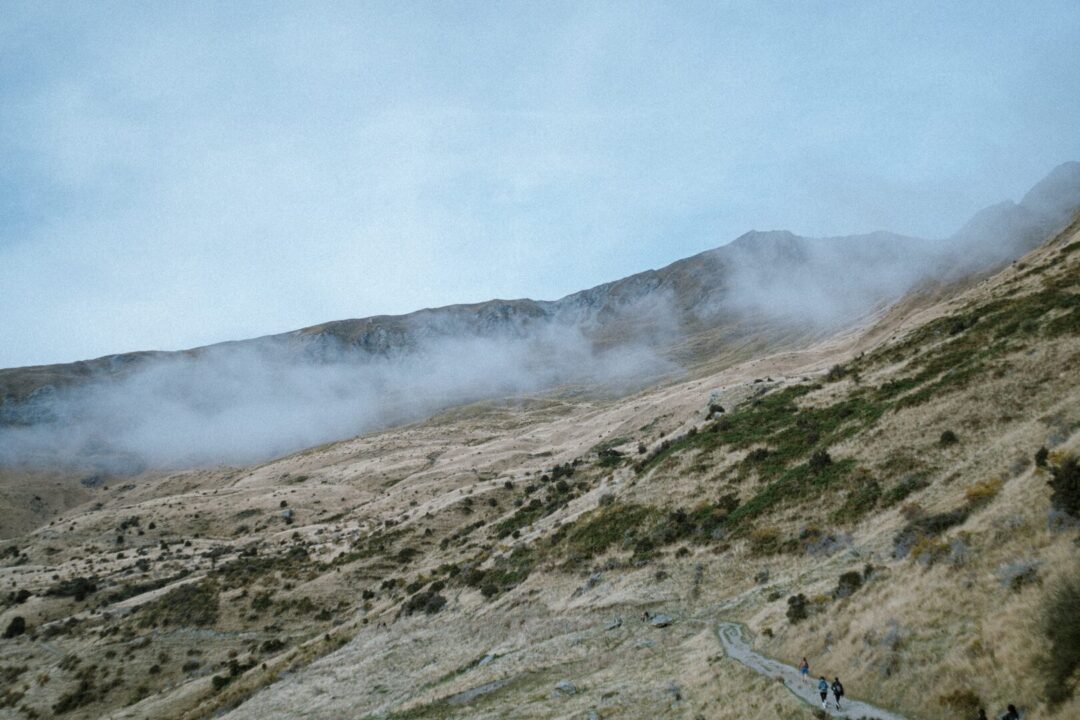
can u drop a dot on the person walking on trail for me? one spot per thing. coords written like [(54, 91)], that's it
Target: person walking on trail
[(837, 691), (823, 690), (804, 671), (1011, 714)]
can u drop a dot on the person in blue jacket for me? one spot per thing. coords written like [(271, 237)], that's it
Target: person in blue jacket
[(823, 690)]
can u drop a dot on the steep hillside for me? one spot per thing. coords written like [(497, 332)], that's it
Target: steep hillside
[(877, 502)]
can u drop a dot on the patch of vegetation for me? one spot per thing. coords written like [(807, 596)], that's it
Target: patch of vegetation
[(847, 584), (949, 353), (1061, 627), (429, 602), (982, 492), (605, 527), (506, 572), (766, 541), (900, 491), (797, 609), (836, 373), (190, 605), (795, 485), (15, 628), (1041, 456), (123, 592), (609, 458), (948, 438), (863, 498), (924, 528), (1065, 484), (85, 693), (77, 588)]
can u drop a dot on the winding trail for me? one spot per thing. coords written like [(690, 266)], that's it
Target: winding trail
[(735, 645)]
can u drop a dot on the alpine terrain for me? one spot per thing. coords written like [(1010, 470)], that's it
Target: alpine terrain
[(649, 499)]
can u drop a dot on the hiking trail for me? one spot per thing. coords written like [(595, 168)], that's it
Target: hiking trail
[(736, 647)]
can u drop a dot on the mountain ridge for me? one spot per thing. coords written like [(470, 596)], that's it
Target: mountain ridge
[(765, 290)]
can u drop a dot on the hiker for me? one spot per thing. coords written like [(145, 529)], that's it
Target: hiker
[(804, 671), (823, 690), (982, 714), (1011, 714), (837, 691)]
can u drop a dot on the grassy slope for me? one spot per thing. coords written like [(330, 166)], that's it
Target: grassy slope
[(534, 554)]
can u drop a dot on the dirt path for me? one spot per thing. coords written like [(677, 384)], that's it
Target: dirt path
[(735, 645)]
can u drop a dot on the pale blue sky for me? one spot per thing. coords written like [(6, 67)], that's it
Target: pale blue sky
[(176, 174)]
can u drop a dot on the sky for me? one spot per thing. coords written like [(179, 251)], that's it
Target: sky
[(179, 174)]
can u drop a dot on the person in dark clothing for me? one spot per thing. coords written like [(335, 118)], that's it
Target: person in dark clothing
[(982, 714), (1011, 714), (837, 691), (823, 690)]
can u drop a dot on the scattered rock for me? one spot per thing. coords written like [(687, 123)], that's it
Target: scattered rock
[(93, 481), (614, 624), (565, 687)]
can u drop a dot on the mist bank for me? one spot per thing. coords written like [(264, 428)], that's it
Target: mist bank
[(250, 400), (243, 404)]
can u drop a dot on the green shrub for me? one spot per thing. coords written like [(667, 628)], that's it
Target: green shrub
[(16, 627), (606, 527), (948, 438), (901, 490), (859, 502), (819, 460), (1065, 483), (77, 588), (797, 608), (922, 529), (1061, 625), (191, 605), (765, 541), (1041, 456), (84, 693), (848, 583)]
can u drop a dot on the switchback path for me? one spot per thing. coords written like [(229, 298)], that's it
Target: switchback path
[(735, 645)]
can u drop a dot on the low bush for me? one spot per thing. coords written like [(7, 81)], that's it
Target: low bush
[(900, 491), (77, 588), (1040, 456), (191, 605), (428, 602), (1065, 485), (797, 608), (16, 627), (1061, 626), (848, 583), (948, 438), (982, 492), (923, 528), (765, 541)]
